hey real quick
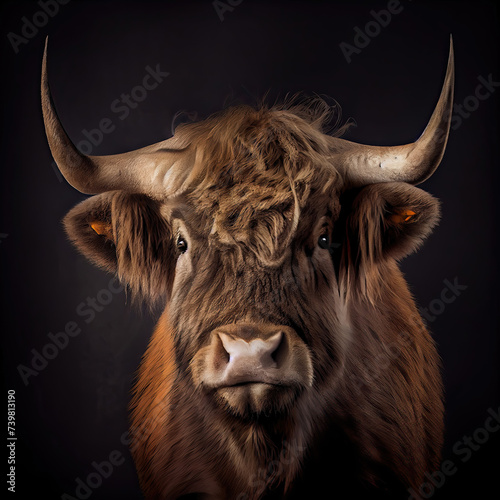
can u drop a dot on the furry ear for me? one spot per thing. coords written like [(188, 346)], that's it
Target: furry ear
[(125, 234), (390, 220)]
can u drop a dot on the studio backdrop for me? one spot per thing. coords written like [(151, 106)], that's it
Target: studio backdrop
[(124, 75)]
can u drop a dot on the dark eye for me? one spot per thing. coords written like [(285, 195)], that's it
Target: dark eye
[(182, 245), (324, 241)]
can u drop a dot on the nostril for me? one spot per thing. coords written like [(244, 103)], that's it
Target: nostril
[(274, 354), (279, 352), (222, 352), (275, 350)]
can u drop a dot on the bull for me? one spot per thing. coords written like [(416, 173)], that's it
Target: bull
[(290, 358)]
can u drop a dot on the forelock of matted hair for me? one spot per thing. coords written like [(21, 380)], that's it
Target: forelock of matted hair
[(292, 134), (262, 159)]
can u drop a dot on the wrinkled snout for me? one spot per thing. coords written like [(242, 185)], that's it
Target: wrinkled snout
[(247, 361)]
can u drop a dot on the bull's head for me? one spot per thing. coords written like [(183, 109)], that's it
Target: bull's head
[(255, 229)]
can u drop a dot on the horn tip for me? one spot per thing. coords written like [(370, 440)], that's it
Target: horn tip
[(452, 52), (45, 45), (44, 58)]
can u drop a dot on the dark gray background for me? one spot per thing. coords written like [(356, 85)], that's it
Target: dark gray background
[(74, 412)]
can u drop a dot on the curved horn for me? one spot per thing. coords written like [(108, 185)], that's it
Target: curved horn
[(412, 163), (147, 170)]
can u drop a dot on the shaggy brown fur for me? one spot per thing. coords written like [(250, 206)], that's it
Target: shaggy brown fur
[(262, 190)]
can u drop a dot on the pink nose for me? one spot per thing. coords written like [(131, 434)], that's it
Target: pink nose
[(250, 360)]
